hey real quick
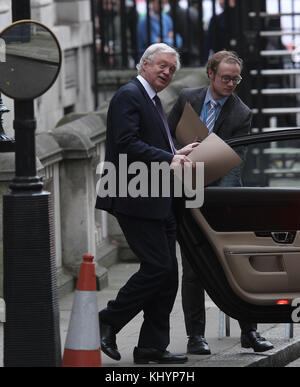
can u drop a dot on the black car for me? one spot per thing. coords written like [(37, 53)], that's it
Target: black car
[(244, 242)]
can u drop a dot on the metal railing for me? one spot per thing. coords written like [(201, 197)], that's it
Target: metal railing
[(124, 28), (264, 33)]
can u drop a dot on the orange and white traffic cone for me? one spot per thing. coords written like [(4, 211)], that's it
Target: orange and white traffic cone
[(82, 348)]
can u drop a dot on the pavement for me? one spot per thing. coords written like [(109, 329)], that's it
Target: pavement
[(226, 350)]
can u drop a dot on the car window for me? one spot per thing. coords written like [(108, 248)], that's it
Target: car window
[(271, 164)]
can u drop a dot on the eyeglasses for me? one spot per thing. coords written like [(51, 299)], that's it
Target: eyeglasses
[(226, 79)]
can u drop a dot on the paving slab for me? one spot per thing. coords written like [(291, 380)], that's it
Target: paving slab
[(226, 350)]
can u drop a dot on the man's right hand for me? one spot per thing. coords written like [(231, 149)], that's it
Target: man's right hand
[(179, 160), (187, 149)]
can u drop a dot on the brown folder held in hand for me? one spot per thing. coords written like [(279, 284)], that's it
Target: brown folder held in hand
[(218, 157), (190, 128)]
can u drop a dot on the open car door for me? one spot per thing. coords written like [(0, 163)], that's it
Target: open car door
[(244, 242)]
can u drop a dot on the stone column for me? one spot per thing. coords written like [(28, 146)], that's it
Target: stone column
[(5, 13), (43, 11), (78, 140), (75, 11)]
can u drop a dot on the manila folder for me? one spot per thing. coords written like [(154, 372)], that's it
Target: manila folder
[(190, 128), (218, 157)]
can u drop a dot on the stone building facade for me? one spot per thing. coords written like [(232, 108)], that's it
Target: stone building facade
[(70, 141), (73, 91)]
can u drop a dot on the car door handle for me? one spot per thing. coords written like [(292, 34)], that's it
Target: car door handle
[(278, 236), (283, 237)]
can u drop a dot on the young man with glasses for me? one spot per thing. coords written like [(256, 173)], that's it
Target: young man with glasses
[(225, 114)]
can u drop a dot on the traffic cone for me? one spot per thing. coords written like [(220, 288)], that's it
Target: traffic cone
[(82, 348)]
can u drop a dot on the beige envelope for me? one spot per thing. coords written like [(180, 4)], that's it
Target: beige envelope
[(218, 157), (190, 127)]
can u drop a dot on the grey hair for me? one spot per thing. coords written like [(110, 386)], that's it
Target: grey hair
[(154, 49)]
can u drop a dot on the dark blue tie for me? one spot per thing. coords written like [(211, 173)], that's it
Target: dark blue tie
[(164, 118), (211, 115)]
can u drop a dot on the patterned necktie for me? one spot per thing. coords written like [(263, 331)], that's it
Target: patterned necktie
[(211, 115), (164, 118)]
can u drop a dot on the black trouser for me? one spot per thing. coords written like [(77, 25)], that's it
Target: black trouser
[(153, 288), (193, 303)]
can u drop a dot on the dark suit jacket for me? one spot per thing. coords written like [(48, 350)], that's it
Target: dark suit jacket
[(233, 121), (135, 128)]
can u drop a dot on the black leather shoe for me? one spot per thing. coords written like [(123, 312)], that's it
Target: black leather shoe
[(197, 345), (147, 355), (108, 341), (253, 340)]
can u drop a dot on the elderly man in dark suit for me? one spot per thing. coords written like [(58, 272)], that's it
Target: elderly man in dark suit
[(225, 114), (137, 128)]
